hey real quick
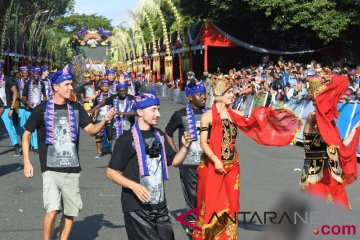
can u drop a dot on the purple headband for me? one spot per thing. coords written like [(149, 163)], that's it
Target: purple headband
[(104, 83), (192, 89), (122, 85), (145, 100)]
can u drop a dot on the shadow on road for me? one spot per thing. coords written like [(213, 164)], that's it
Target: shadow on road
[(177, 212), (251, 226), (88, 229), (13, 167), (7, 151)]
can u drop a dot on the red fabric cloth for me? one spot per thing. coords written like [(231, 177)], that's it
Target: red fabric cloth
[(326, 111), (266, 126), (329, 190), (211, 37)]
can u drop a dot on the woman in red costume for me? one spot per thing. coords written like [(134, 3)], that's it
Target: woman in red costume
[(330, 163), (219, 172)]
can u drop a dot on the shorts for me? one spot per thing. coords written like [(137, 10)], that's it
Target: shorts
[(61, 192)]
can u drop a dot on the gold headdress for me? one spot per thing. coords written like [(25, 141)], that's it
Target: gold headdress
[(317, 85), (220, 84), (86, 75)]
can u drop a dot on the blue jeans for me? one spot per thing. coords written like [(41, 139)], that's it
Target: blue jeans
[(33, 138), (10, 128)]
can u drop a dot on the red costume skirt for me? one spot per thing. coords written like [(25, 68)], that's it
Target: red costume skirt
[(329, 190), (218, 201)]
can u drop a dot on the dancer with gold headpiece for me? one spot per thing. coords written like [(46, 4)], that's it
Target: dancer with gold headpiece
[(219, 172), (330, 163)]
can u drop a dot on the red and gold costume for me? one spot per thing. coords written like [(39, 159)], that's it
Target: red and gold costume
[(219, 193), (329, 165)]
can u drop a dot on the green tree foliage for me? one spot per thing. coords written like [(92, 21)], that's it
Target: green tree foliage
[(327, 19), (75, 22)]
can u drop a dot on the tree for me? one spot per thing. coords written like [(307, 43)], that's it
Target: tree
[(326, 18), (73, 23)]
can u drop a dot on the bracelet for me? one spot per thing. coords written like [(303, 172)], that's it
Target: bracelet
[(212, 156), (11, 109)]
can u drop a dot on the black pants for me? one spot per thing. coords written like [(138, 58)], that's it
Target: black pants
[(100, 135), (189, 179), (149, 224)]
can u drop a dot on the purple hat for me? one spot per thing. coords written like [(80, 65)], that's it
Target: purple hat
[(36, 70), (110, 71), (62, 75), (126, 75), (44, 68), (104, 83), (145, 100), (122, 85), (192, 89), (23, 69)]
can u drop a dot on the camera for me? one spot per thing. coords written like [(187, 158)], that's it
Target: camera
[(154, 150)]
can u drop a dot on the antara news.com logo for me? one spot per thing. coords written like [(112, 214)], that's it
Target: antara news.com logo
[(271, 217)]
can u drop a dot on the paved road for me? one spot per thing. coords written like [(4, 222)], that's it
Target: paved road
[(266, 173)]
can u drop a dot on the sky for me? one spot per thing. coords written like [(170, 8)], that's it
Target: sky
[(115, 10)]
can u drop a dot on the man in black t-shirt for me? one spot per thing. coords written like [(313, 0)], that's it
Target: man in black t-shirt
[(122, 102), (88, 92), (46, 80), (188, 119), (99, 114), (57, 121), (8, 94), (139, 165), (34, 93), (20, 84)]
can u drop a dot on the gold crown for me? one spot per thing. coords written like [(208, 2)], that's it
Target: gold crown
[(87, 75), (220, 84), (316, 86)]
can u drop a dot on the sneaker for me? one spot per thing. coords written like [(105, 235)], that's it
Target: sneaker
[(98, 155), (17, 150)]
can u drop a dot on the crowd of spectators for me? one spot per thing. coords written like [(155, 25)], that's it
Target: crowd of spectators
[(283, 80)]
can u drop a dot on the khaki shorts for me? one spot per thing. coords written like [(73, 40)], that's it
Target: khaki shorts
[(61, 192)]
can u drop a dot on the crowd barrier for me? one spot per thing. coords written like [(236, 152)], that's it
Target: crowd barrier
[(349, 113)]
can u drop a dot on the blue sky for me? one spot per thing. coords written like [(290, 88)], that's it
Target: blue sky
[(115, 10)]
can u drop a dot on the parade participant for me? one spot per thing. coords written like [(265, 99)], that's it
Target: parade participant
[(122, 102), (97, 77), (88, 92), (34, 93), (46, 80), (188, 119), (133, 88), (99, 115), (330, 164), (119, 72), (110, 74), (20, 88), (219, 172), (58, 121), (139, 165), (8, 94)]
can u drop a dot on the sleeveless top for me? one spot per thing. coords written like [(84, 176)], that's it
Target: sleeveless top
[(228, 141), (318, 156)]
